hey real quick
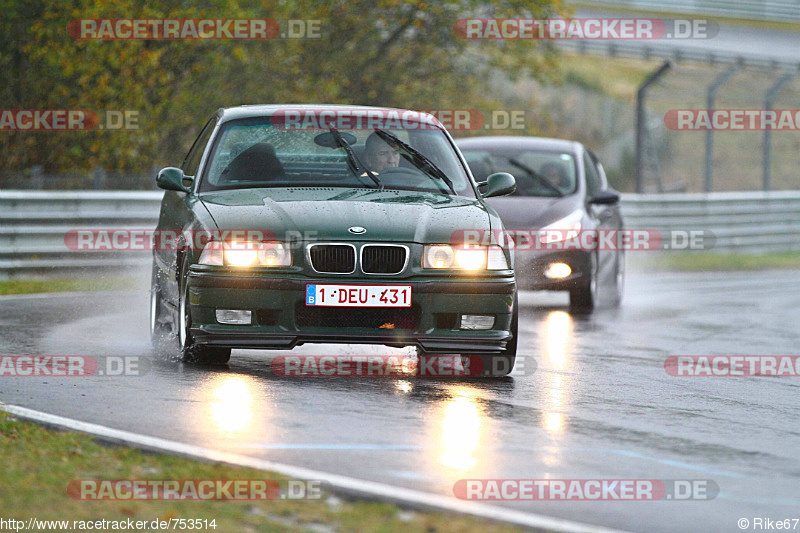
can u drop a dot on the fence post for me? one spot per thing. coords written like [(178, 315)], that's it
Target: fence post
[(37, 177), (99, 178), (712, 92), (641, 121), (767, 156)]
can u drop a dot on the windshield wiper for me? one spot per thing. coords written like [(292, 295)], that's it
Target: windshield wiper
[(353, 162), (416, 158), (538, 177)]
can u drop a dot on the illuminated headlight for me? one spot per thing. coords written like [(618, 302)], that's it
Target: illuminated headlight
[(470, 257), (563, 229), (246, 254), (464, 257), (557, 271), (274, 254), (438, 256)]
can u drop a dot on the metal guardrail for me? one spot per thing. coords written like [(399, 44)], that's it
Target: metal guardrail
[(650, 50), (774, 10), (33, 225), (743, 222)]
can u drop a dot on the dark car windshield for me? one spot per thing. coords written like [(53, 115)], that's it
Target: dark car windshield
[(257, 153), (538, 173)]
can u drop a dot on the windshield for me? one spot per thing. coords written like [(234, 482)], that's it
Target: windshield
[(254, 153), (537, 173)]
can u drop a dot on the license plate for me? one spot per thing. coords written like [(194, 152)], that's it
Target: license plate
[(359, 295)]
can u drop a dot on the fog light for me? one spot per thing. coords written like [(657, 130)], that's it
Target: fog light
[(557, 271), (233, 316), (477, 321)]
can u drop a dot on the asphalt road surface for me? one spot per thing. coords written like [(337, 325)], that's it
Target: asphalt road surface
[(733, 38), (599, 405)]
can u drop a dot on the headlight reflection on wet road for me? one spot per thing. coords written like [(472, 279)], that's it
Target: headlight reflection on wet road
[(461, 430), (230, 400), (558, 336)]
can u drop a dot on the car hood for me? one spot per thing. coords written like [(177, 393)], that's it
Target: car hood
[(327, 213), (532, 212)]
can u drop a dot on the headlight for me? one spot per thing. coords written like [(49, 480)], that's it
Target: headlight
[(464, 257), (438, 256), (563, 229), (470, 257), (497, 259), (246, 254)]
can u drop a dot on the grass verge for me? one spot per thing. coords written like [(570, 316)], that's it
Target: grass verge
[(618, 77), (29, 286), (698, 262), (39, 463)]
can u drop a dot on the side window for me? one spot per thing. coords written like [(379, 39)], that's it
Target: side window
[(600, 170), (480, 164), (192, 161), (593, 182)]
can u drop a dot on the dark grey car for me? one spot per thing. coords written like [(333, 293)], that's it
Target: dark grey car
[(562, 186)]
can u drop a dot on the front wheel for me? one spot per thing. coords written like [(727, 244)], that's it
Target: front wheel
[(159, 333), (190, 352), (619, 281), (584, 299)]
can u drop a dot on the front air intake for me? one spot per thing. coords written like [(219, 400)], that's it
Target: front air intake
[(333, 258), (383, 259)]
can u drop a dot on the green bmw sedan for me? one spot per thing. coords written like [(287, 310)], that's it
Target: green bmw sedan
[(288, 225)]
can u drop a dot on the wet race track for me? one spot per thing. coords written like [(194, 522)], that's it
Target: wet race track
[(599, 405)]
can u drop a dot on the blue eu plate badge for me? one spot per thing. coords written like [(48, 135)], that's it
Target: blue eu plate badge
[(311, 295)]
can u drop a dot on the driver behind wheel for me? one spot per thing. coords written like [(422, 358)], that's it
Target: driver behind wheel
[(555, 174), (378, 155)]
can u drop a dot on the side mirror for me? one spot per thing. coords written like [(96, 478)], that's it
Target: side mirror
[(605, 198), (500, 184), (171, 179)]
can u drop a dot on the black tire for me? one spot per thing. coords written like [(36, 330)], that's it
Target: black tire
[(159, 333), (619, 280), (189, 351), (585, 298)]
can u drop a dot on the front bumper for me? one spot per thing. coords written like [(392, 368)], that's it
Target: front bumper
[(530, 266), (281, 320)]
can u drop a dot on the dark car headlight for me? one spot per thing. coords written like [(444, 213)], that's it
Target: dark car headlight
[(244, 254), (464, 257)]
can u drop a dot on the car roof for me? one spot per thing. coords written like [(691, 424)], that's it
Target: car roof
[(523, 142), (266, 110)]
